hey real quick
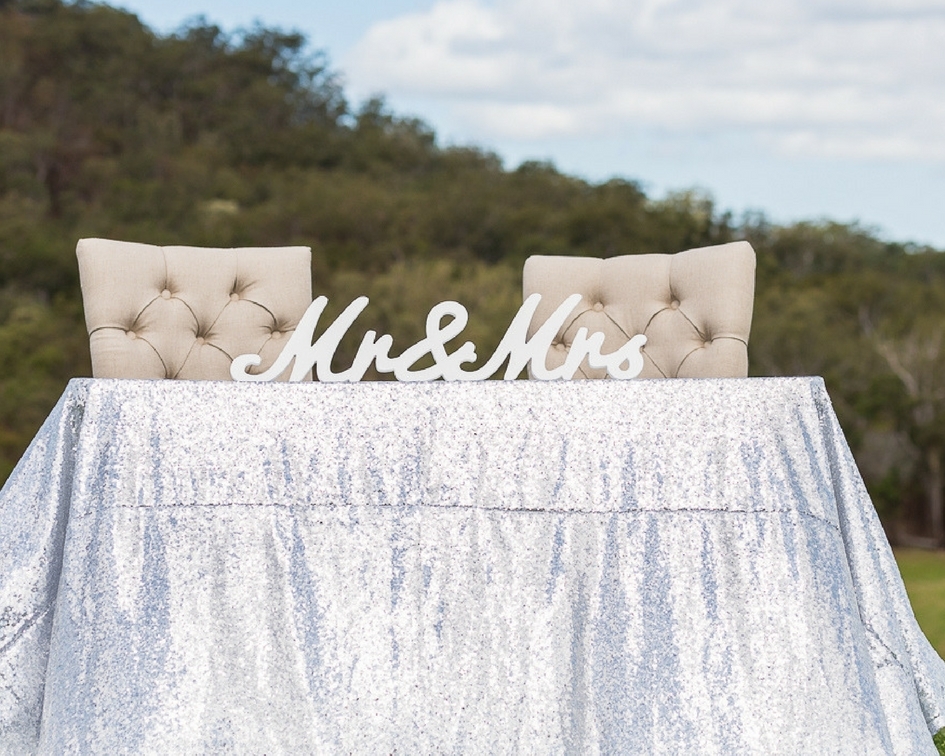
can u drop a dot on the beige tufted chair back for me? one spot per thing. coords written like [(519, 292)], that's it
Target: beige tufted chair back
[(694, 307), (186, 312)]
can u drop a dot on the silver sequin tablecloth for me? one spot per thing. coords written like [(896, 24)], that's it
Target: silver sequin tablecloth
[(642, 567)]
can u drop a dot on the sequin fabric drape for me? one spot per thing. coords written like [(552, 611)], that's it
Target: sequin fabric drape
[(642, 567)]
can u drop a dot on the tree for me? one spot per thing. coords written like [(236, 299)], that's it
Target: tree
[(906, 327)]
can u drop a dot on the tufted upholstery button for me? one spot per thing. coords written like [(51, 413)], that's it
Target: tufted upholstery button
[(166, 294), (276, 335), (234, 297), (131, 334), (674, 304), (598, 306), (200, 341)]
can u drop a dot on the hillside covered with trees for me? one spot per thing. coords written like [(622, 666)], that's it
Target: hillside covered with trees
[(207, 138)]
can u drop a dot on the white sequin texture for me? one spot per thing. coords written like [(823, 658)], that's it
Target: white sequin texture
[(612, 567)]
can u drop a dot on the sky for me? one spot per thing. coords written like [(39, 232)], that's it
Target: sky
[(800, 109)]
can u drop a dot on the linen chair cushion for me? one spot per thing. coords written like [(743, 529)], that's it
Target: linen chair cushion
[(694, 307), (186, 312)]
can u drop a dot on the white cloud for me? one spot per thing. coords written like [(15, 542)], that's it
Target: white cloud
[(840, 78)]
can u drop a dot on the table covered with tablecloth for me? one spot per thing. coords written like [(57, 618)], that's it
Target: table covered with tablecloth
[(658, 567)]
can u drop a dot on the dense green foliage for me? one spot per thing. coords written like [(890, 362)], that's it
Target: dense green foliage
[(206, 138)]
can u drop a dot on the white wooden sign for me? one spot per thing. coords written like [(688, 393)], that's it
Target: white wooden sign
[(310, 353)]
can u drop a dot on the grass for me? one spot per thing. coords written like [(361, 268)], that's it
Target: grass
[(923, 572)]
